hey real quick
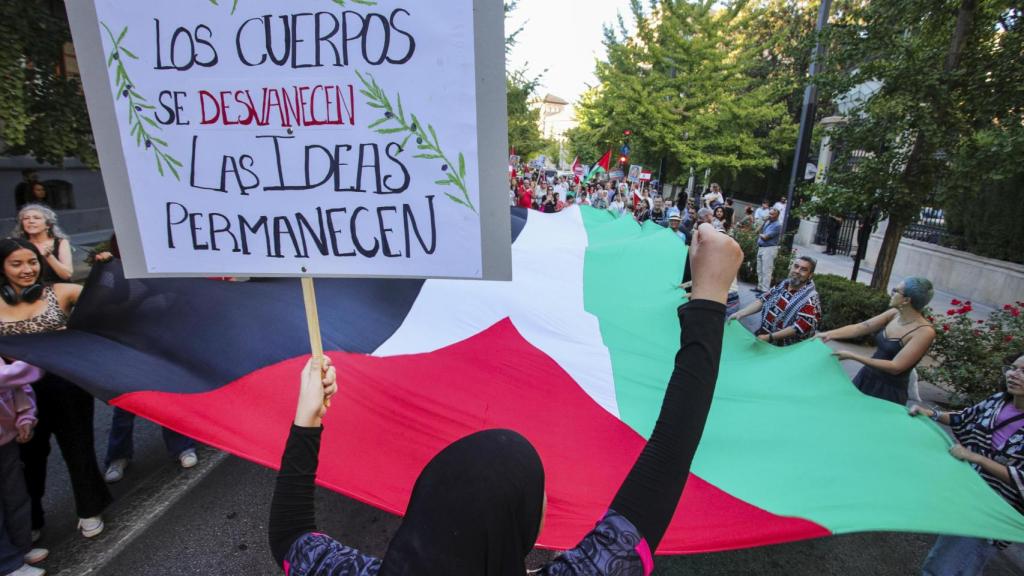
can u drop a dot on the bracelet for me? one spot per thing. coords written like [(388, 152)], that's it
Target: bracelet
[(936, 414)]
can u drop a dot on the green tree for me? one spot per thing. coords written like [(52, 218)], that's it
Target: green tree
[(523, 121), (42, 110), (947, 73), (685, 83)]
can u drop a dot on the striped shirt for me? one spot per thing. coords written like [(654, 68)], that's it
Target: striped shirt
[(781, 309), (974, 427)]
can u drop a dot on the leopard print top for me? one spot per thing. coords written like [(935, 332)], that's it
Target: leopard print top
[(49, 320)]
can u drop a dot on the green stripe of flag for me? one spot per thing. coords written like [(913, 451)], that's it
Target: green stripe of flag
[(787, 432)]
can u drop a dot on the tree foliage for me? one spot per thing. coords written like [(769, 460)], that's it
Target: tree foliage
[(42, 109), (694, 87), (948, 79), (523, 120)]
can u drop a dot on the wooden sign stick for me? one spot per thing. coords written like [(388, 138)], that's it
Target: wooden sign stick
[(313, 322)]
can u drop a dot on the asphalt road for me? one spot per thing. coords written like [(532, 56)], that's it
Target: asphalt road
[(150, 458), (220, 528)]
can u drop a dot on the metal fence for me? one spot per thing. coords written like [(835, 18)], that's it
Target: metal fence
[(844, 231), (931, 227)]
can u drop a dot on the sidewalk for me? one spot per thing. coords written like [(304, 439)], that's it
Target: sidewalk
[(843, 266)]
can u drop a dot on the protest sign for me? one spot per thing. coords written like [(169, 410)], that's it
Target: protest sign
[(312, 137), (634, 172)]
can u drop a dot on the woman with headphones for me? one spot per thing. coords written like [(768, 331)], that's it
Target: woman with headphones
[(29, 306)]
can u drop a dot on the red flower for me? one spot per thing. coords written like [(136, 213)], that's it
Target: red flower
[(1009, 338), (977, 332), (981, 321), (1015, 312), (931, 319), (955, 302), (945, 327), (1007, 306), (967, 308), (950, 312)]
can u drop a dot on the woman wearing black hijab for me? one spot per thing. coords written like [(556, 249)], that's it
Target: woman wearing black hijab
[(477, 506)]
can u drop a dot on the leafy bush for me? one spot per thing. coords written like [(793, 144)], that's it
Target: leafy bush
[(845, 302), (747, 239), (969, 353)]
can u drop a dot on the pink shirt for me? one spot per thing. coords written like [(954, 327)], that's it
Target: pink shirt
[(1002, 435)]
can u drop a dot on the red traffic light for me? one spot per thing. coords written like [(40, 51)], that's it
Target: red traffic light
[(623, 159), (627, 132)]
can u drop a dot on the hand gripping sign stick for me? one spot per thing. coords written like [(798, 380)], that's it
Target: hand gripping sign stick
[(313, 323)]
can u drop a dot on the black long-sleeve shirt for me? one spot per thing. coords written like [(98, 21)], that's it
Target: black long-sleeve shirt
[(645, 501)]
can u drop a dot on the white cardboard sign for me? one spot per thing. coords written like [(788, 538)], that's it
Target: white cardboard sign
[(308, 137)]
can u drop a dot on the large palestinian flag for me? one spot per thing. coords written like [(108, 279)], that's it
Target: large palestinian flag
[(566, 353)]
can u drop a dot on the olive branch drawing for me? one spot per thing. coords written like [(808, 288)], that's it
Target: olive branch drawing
[(139, 120), (234, 4), (394, 121)]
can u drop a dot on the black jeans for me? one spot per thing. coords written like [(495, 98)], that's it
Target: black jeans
[(64, 411)]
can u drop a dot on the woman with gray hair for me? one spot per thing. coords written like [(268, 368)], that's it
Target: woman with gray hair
[(903, 336), (38, 225)]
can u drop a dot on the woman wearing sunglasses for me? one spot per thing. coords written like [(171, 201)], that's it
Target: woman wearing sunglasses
[(903, 336)]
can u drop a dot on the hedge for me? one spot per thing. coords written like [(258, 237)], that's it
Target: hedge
[(845, 302)]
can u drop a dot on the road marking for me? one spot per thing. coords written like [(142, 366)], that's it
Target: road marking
[(142, 507)]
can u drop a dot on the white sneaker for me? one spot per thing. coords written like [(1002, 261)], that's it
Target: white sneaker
[(115, 472), (36, 555), (27, 570), (91, 527), (188, 458)]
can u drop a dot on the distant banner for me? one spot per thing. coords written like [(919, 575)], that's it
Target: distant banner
[(645, 176), (307, 137), (634, 173)]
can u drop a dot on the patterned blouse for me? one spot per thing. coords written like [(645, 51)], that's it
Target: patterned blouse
[(973, 427), (781, 309), (49, 320), (613, 548)]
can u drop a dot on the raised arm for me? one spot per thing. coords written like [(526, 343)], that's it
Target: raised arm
[(292, 512), (650, 493), (67, 295)]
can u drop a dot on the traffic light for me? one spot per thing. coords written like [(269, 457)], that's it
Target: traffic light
[(627, 132), (623, 160)]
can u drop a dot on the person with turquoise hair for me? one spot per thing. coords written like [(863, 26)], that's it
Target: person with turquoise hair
[(903, 336)]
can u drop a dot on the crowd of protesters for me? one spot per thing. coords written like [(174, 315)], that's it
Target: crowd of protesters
[(35, 297)]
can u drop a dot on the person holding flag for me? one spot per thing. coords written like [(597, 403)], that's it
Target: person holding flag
[(602, 167), (478, 505)]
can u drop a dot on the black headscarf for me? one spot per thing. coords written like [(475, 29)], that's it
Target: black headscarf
[(475, 510)]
